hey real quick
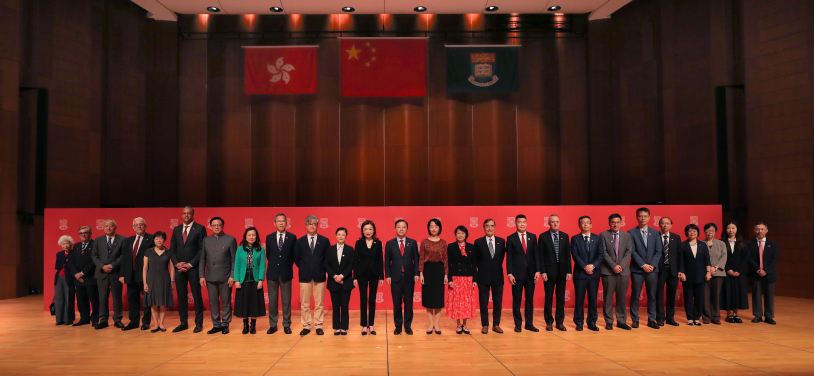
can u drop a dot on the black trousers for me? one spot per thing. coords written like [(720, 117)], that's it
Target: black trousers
[(762, 289), (666, 300), (517, 295), (135, 294), (693, 300), (402, 292), (368, 288), (582, 287), (87, 298), (340, 300), (551, 286), (649, 280), (108, 286), (182, 279), (497, 303)]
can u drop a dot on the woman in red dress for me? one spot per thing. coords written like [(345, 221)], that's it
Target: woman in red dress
[(461, 291), (434, 268)]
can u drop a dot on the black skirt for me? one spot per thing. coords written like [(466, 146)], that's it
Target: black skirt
[(432, 292), (249, 301), (735, 293)]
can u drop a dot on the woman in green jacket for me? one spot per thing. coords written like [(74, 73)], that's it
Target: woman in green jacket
[(250, 270)]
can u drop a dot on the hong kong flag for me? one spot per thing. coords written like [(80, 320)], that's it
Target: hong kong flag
[(281, 70), (384, 67)]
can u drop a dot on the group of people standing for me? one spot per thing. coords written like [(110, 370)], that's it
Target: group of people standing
[(714, 274)]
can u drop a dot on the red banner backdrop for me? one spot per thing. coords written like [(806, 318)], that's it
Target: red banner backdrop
[(60, 222)]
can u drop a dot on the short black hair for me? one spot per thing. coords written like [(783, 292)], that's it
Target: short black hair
[(462, 229), (708, 225), (579, 221), (489, 220), (362, 229), (160, 234), (256, 242), (437, 223), (642, 209), (222, 222), (614, 215), (663, 218), (401, 220), (761, 223), (342, 229), (519, 216), (691, 226)]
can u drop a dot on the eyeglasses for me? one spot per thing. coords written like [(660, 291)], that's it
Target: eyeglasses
[(218, 225), (311, 224), (139, 225), (84, 233)]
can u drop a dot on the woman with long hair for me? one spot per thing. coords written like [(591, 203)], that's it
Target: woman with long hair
[(250, 270), (368, 274), (736, 293)]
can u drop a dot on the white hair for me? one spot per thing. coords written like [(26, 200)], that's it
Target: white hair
[(65, 238), (111, 220), (137, 218)]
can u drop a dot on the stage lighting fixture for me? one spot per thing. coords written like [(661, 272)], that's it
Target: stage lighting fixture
[(276, 9), (554, 8), (348, 9), (213, 9), (491, 8), (420, 9)]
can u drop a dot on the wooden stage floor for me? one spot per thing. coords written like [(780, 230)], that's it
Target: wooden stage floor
[(30, 343)]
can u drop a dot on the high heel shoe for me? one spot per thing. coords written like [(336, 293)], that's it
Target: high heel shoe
[(372, 331), (429, 331), (465, 329), (364, 330), (458, 330), (154, 330), (437, 331), (246, 326)]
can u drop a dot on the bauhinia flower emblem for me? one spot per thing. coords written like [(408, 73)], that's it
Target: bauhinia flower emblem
[(280, 70)]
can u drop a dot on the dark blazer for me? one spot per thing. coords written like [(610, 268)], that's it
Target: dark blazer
[(675, 246), (522, 265), (695, 268), (280, 264), (642, 255), (460, 265), (82, 261), (549, 263), (490, 270), (334, 266), (366, 263), (770, 255), (737, 259), (311, 265), (62, 262), (102, 256), (584, 256), (393, 261), (189, 252), (126, 271)]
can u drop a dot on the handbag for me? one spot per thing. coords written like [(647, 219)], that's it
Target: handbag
[(53, 307)]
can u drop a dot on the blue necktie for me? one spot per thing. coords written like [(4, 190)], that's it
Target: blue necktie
[(280, 243), (109, 244), (557, 246)]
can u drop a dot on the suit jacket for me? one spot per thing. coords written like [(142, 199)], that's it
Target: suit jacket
[(625, 250), (334, 266), (736, 259), (694, 268), (460, 265), (82, 261), (550, 266), (63, 262), (280, 262), (521, 264), (584, 256), (102, 256), (368, 264), (311, 264), (130, 275), (394, 261), (218, 258), (642, 255), (189, 252), (674, 244), (717, 257), (490, 270), (242, 261), (770, 255)]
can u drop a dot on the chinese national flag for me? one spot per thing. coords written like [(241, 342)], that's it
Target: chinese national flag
[(281, 70), (384, 67)]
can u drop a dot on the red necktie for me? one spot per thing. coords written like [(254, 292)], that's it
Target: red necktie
[(760, 248), (463, 249), (523, 238), (135, 251), (401, 247), (186, 228)]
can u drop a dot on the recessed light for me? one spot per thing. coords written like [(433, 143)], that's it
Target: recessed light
[(348, 9), (213, 9), (276, 9), (420, 9), (554, 8), (491, 8)]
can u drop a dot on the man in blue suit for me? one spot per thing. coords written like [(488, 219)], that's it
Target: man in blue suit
[(587, 250), (644, 267)]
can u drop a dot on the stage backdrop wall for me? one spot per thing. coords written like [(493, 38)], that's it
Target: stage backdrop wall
[(60, 222)]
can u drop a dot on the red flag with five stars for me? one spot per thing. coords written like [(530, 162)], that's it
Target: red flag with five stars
[(384, 67), (281, 70)]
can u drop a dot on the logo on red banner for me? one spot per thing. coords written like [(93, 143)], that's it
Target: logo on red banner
[(656, 220), (208, 221), (694, 219), (323, 223), (359, 222), (510, 222), (249, 223), (100, 224), (599, 296), (379, 297), (545, 222), (416, 297), (473, 222), (567, 295), (63, 224), (173, 223), (623, 221)]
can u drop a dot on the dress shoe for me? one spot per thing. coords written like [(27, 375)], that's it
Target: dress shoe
[(338, 333), (81, 322), (549, 328), (344, 333), (180, 328), (653, 325), (60, 323), (154, 330), (397, 331), (497, 329), (436, 332), (705, 321), (245, 327), (253, 328), (661, 323), (101, 325), (320, 332), (409, 331), (594, 328), (517, 329), (579, 328), (716, 322), (305, 332), (214, 330), (272, 330), (756, 319), (730, 319), (372, 332), (225, 330), (561, 327), (770, 322), (532, 328), (130, 326), (738, 320), (145, 326), (672, 323), (608, 326), (484, 330), (162, 329), (634, 325), (623, 326), (466, 330), (287, 330), (118, 325), (198, 329)]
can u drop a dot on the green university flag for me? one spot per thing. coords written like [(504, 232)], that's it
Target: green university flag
[(482, 69)]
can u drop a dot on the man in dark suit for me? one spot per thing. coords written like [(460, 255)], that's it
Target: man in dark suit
[(668, 273), (131, 272), (107, 255), (187, 245), (87, 294), (556, 270), (644, 268), (490, 251), (401, 272), (309, 255), (762, 255), (615, 271), (588, 251), (523, 265), (216, 272), (280, 272)]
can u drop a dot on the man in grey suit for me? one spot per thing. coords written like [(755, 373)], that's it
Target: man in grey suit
[(644, 268), (615, 271), (107, 255), (215, 269)]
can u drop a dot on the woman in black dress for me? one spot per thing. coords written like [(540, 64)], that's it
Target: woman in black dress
[(250, 270), (368, 274), (736, 295), (694, 272), (158, 276), (433, 266)]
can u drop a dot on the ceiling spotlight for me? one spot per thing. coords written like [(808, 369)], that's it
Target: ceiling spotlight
[(276, 9), (213, 9), (491, 8), (420, 9), (554, 8), (348, 9)]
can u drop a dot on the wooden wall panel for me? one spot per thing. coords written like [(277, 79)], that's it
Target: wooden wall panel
[(274, 152), (406, 153), (192, 85), (602, 84), (573, 122), (361, 156)]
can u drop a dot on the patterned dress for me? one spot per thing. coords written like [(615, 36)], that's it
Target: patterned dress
[(433, 263), (461, 298)]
